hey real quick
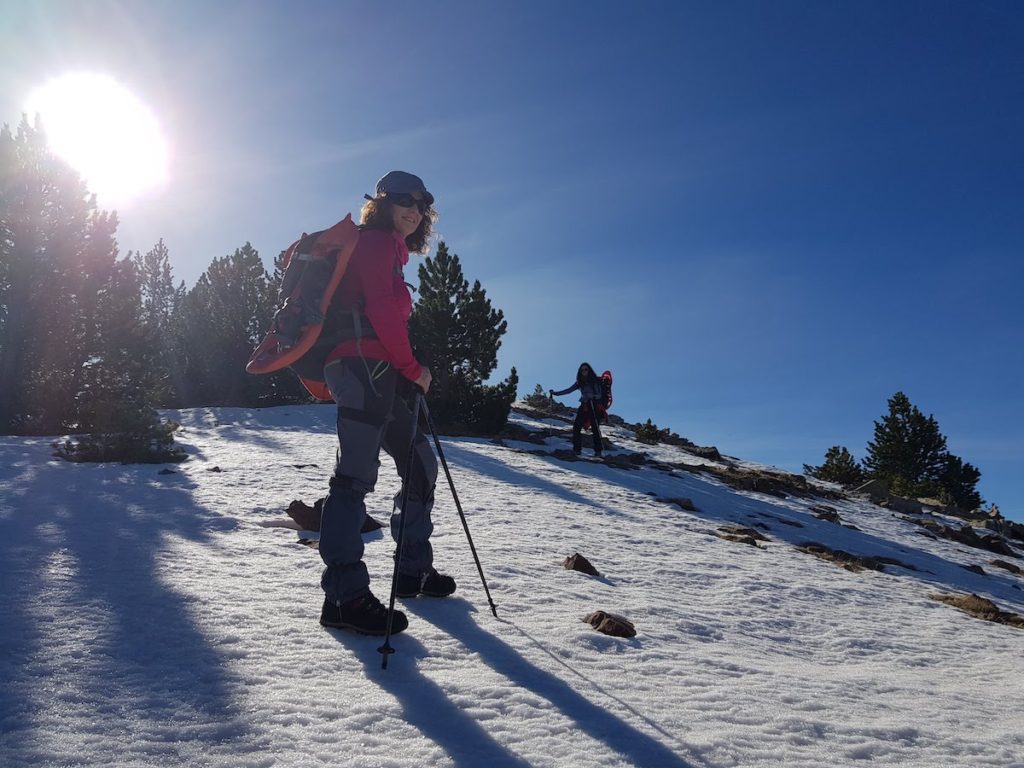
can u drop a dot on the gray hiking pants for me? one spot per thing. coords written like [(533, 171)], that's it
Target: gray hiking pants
[(371, 417)]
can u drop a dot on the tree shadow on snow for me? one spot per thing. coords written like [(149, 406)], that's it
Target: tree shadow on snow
[(455, 617), (503, 472), (91, 632)]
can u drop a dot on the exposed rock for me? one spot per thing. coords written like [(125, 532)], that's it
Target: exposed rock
[(370, 524), (1007, 528), (564, 454), (625, 460), (877, 490), (981, 608), (974, 569), (513, 431), (778, 484), (166, 471), (784, 521), (966, 535), (850, 561), (823, 512), (308, 518), (214, 469), (680, 502), (708, 452), (578, 562), (741, 535), (1007, 566), (611, 624), (902, 505)]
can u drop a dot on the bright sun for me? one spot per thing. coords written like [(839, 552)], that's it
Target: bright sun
[(104, 132)]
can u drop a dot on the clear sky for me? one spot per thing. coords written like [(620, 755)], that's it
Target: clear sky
[(765, 217)]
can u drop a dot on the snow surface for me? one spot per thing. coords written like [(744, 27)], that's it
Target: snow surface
[(171, 619)]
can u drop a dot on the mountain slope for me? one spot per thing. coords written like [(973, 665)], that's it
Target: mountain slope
[(171, 619)]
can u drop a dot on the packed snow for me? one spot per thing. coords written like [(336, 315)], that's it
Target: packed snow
[(171, 619)]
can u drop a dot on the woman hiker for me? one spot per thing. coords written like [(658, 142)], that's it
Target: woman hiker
[(591, 393), (368, 373)]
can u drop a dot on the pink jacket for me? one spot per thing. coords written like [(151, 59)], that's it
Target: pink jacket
[(374, 280)]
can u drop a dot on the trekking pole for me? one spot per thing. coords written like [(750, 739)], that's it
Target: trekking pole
[(458, 505), (386, 649)]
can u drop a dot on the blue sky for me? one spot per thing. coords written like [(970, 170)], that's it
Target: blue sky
[(765, 218)]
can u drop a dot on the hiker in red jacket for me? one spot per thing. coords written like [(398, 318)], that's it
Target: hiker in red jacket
[(368, 373), (592, 395)]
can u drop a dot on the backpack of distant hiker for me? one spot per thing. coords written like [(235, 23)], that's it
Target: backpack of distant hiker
[(313, 268), (601, 406)]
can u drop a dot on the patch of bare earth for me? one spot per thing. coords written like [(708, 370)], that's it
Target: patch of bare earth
[(981, 608)]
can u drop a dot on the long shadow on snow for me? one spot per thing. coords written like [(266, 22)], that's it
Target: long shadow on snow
[(638, 748), (425, 704), (486, 465), (717, 502), (88, 624)]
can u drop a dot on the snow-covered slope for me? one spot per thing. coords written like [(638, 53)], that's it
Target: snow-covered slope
[(171, 619)]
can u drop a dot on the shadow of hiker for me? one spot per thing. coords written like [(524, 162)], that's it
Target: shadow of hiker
[(637, 748), (425, 705)]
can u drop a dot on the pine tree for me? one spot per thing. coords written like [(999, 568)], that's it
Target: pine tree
[(456, 331), (161, 302), (221, 320), (909, 451), (74, 354), (839, 467), (958, 481), (538, 399), (47, 220)]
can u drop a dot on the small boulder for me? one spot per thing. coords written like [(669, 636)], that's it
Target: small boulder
[(741, 535), (578, 562), (877, 490), (682, 503), (705, 452), (307, 518), (611, 624), (826, 513)]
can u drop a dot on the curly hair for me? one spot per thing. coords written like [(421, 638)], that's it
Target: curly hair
[(377, 214)]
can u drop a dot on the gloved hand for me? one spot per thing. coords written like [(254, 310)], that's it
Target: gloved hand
[(551, 394)]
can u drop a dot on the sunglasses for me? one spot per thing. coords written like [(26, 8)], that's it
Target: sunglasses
[(405, 200)]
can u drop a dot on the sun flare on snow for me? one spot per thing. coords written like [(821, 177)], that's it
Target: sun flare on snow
[(104, 132)]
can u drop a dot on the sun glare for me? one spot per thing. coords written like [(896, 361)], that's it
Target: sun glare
[(104, 132)]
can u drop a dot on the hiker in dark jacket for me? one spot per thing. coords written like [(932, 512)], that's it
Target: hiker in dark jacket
[(591, 390), (368, 374)]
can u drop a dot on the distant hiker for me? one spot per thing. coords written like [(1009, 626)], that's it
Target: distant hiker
[(368, 373), (593, 396)]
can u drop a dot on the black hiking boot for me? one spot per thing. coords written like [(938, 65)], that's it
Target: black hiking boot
[(430, 584), (365, 614)]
